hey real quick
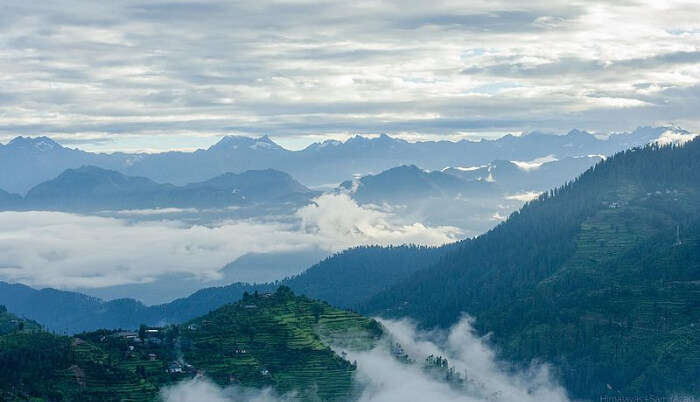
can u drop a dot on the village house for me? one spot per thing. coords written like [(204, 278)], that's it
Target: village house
[(175, 367), (128, 335)]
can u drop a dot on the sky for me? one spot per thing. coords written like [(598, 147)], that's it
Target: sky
[(145, 75)]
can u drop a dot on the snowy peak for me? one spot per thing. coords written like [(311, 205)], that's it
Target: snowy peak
[(317, 146), (235, 142), (579, 133), (265, 142), (40, 144), (383, 139), (674, 136)]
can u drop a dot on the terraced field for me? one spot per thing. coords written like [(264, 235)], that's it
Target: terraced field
[(278, 340), (629, 295), (11, 323)]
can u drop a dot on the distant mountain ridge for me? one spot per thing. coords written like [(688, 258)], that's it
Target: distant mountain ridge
[(497, 178), (26, 162), (90, 188), (409, 182), (527, 175), (346, 279)]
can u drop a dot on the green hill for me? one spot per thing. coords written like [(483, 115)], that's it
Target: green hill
[(277, 339), (10, 323), (591, 277)]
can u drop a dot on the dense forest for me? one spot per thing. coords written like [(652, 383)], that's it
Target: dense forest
[(599, 277)]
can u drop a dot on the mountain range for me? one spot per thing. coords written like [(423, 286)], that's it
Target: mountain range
[(26, 162), (409, 183), (517, 176), (90, 188)]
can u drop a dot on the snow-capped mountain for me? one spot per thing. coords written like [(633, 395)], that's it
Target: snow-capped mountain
[(26, 162)]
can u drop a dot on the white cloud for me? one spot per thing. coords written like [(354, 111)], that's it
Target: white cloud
[(148, 212), (535, 163), (202, 390), (75, 251), (524, 197), (339, 220), (385, 379)]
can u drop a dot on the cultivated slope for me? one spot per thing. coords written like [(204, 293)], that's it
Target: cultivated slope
[(590, 277)]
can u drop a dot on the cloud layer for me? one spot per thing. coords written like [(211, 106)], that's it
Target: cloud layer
[(387, 380), (383, 378), (74, 251), (155, 75)]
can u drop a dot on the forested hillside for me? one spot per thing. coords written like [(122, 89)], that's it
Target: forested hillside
[(278, 340), (600, 277)]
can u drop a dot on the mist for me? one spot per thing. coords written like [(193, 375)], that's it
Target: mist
[(382, 377), (70, 251)]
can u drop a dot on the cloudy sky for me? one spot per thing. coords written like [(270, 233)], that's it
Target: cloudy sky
[(140, 75)]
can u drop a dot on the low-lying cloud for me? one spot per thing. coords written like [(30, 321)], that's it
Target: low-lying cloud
[(338, 220), (485, 378), (75, 251), (200, 389), (524, 197), (381, 377)]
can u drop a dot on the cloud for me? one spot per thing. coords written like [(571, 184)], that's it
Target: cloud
[(338, 219), (486, 378), (200, 389), (535, 163), (383, 378), (139, 72), (76, 251), (524, 197)]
